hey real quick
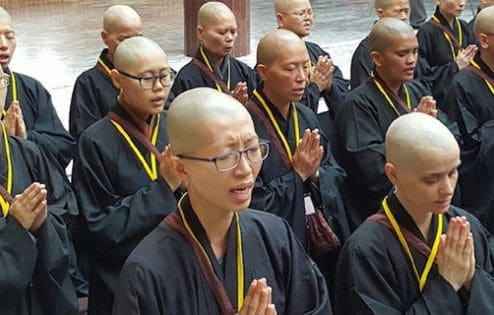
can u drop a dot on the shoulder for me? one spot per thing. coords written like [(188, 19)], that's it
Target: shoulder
[(187, 69), (368, 239), (28, 80), (89, 74), (94, 132), (27, 148)]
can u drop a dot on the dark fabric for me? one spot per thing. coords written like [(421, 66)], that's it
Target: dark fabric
[(34, 277), (92, 97), (190, 76), (471, 105), (163, 276), (374, 274), (418, 14), (119, 203), (43, 126), (360, 128), (434, 47), (439, 76), (280, 190)]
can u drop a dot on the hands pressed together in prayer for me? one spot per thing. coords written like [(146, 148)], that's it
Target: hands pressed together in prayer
[(322, 73), (465, 56), (427, 106), (240, 93), (166, 172), (456, 255), (258, 299), (14, 121), (308, 155), (29, 208)]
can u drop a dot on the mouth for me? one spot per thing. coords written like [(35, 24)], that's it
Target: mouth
[(242, 192), (4, 58), (158, 101), (441, 204)]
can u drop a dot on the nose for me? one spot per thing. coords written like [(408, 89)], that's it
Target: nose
[(403, 16), (301, 74), (157, 85), (3, 42), (229, 36), (243, 168), (448, 186)]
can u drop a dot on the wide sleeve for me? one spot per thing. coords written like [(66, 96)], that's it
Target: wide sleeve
[(18, 255), (116, 220), (361, 66), (136, 293), (51, 275), (48, 130)]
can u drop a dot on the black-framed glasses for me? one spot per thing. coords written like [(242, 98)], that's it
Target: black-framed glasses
[(227, 162), (301, 14), (148, 81), (4, 80)]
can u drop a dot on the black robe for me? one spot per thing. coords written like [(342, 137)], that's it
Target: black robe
[(375, 276), (440, 76), (471, 105), (92, 97), (43, 126), (190, 76), (163, 276), (433, 45), (360, 129), (280, 190), (34, 277), (119, 203)]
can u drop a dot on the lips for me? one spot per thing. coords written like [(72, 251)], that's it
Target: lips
[(241, 193), (4, 58)]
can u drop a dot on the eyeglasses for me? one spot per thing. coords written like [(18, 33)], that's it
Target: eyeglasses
[(147, 82), (303, 13), (227, 162), (4, 81)]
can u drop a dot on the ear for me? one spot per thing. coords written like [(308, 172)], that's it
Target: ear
[(390, 171), (178, 168), (116, 77), (262, 71), (104, 37), (200, 33), (376, 58), (483, 41), (279, 19), (380, 13)]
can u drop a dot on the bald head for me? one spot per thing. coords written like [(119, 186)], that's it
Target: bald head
[(209, 10), (118, 15), (409, 136), (484, 22), (274, 43), (385, 30), (192, 113), (384, 4), (132, 49), (284, 6), (4, 14)]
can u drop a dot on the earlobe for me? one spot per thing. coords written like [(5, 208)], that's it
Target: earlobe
[(104, 37), (178, 168), (380, 13), (483, 41), (115, 77), (200, 33)]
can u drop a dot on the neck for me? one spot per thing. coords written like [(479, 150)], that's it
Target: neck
[(422, 219), (449, 18), (216, 61), (142, 120), (215, 222), (281, 104), (393, 85), (110, 57), (488, 59)]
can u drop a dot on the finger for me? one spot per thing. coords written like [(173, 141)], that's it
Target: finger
[(305, 139), (271, 309), (264, 300), (452, 235)]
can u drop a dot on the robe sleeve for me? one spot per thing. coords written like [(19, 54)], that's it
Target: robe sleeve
[(116, 221), (18, 255), (51, 275), (49, 132), (359, 67), (307, 292), (137, 294)]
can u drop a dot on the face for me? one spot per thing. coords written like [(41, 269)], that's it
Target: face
[(397, 63), (230, 190), (144, 102), (399, 9), (299, 18), (219, 35), (7, 41), (121, 32), (286, 76), (428, 184), (451, 8), (486, 3)]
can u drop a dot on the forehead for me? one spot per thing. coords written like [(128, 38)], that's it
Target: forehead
[(6, 24), (435, 161), (298, 4), (402, 41), (288, 53), (398, 4), (221, 19), (153, 60)]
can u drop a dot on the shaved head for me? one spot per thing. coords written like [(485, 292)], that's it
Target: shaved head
[(118, 15), (4, 14), (284, 6), (410, 135), (132, 49), (191, 114), (383, 32), (273, 43), (384, 4), (484, 22), (209, 10)]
